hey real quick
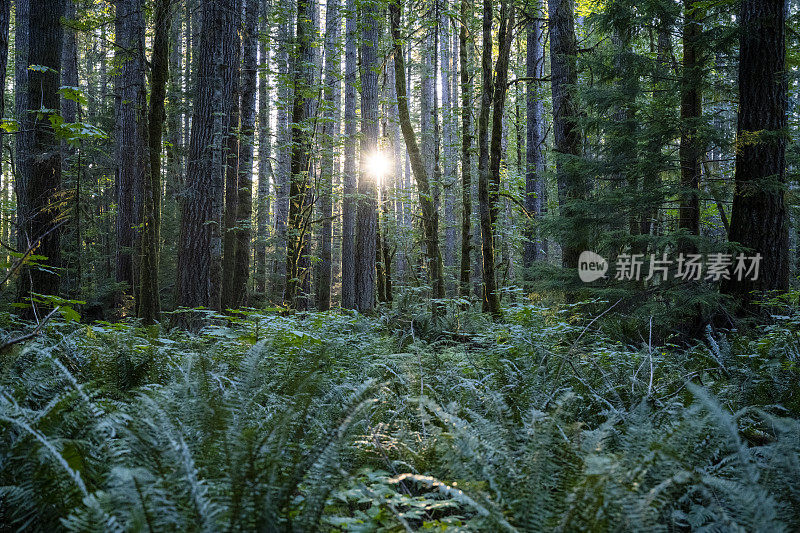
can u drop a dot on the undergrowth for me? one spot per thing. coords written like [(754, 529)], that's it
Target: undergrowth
[(337, 422)]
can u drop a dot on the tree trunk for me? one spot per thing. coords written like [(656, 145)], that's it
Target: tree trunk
[(330, 137), (534, 159), (448, 161), (231, 75), (40, 163), (691, 148), (367, 216), (284, 59), (149, 303), (759, 219), (466, 153), (567, 138), (349, 171), (244, 213), (429, 215), (491, 302), (131, 145), (69, 112), (301, 188), (200, 243), (5, 17), (264, 153)]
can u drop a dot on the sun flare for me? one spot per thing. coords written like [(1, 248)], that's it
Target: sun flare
[(377, 164)]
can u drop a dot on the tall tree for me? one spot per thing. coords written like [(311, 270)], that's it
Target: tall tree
[(69, 112), (691, 148), (367, 213), (39, 162), (534, 160), (131, 137), (231, 94), (265, 173), (330, 131), (429, 215), (5, 17), (466, 151), (245, 207), (149, 301), (200, 243), (567, 138), (349, 170), (301, 187), (491, 301), (759, 220)]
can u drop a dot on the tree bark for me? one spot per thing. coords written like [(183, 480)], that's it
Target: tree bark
[(265, 173), (5, 17), (349, 171), (367, 215), (466, 153), (534, 160), (330, 135), (429, 215), (301, 189), (244, 213), (38, 153), (691, 148), (491, 302), (759, 219), (131, 143), (567, 139), (200, 243)]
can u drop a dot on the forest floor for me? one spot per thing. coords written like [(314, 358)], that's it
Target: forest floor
[(337, 422)]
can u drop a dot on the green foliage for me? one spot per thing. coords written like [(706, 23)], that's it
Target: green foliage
[(341, 423)]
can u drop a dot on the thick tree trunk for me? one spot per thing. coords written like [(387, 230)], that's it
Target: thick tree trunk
[(301, 188), (429, 215), (466, 153), (534, 159), (349, 171), (244, 213), (330, 137), (40, 163), (367, 215), (131, 141), (759, 220), (491, 302), (149, 302), (200, 243), (691, 148), (567, 138), (265, 173)]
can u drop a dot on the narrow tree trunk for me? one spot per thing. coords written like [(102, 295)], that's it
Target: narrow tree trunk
[(300, 192), (534, 160), (231, 75), (265, 173), (466, 153), (448, 161), (149, 302), (429, 215), (243, 233), (349, 171), (759, 221), (283, 149), (691, 148), (5, 17), (567, 138), (491, 302), (330, 135), (69, 112)]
